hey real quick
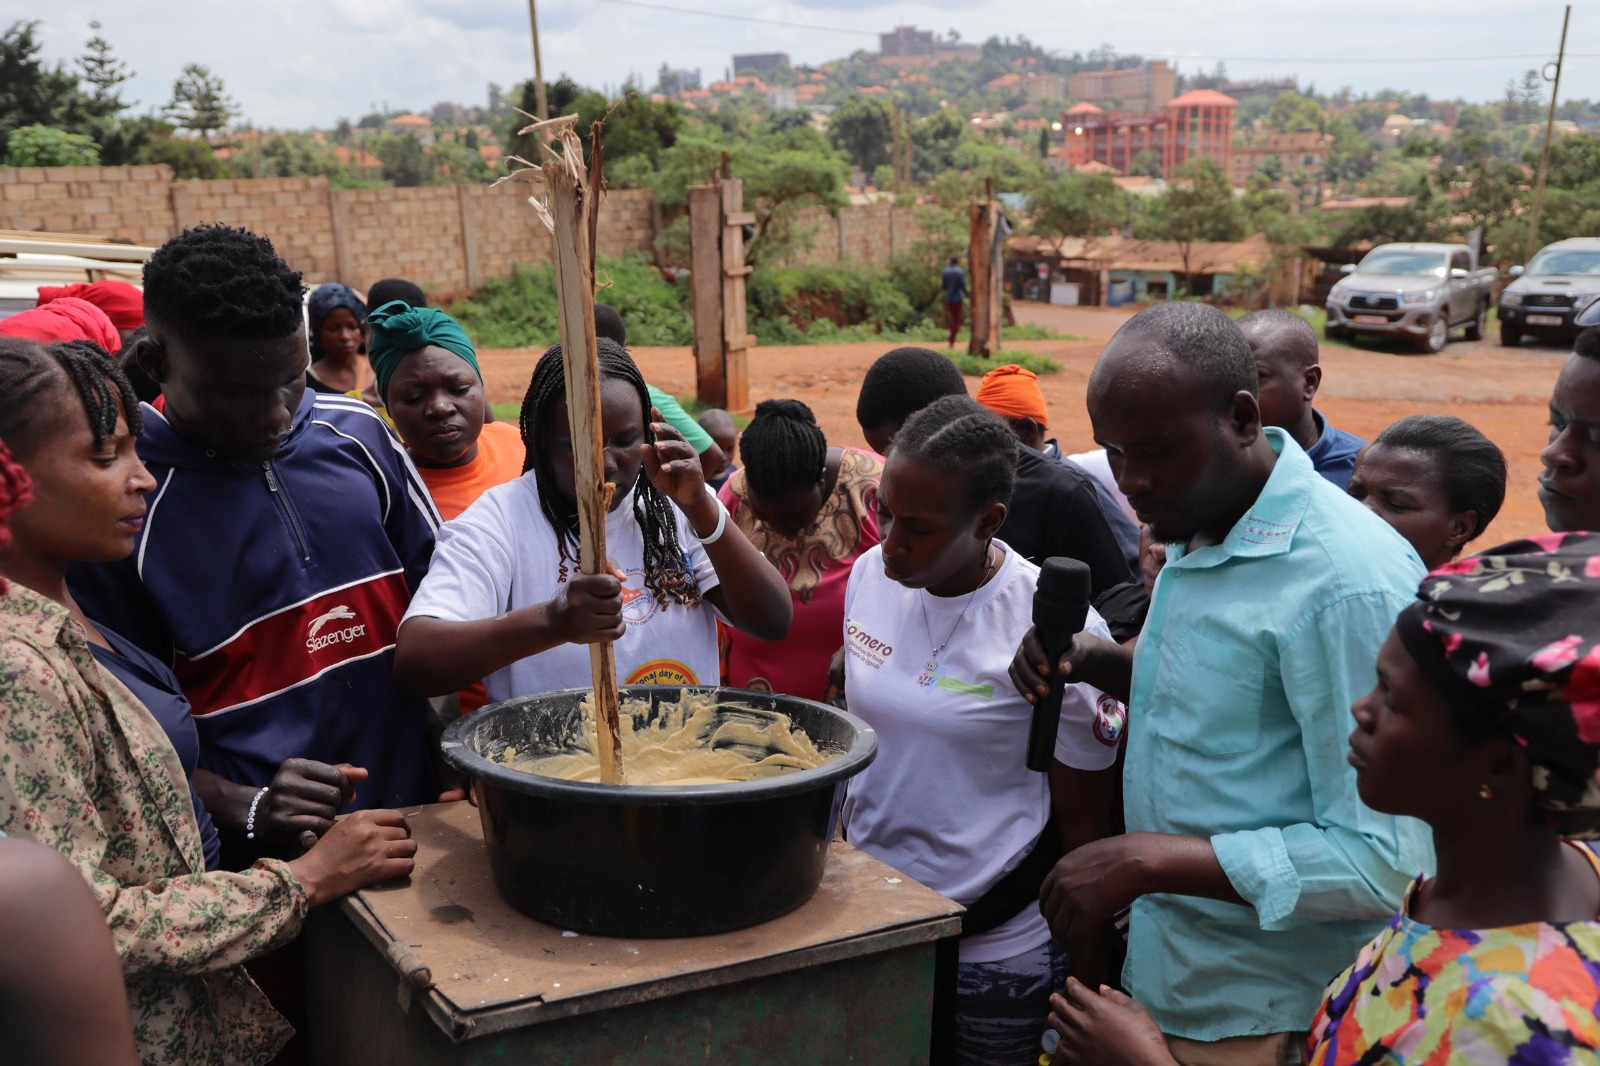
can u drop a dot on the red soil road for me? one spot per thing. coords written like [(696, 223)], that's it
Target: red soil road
[(1505, 393)]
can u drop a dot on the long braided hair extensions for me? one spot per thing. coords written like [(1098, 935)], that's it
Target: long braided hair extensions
[(667, 573)]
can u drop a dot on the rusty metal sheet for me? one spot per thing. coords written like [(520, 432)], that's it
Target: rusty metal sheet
[(486, 957)]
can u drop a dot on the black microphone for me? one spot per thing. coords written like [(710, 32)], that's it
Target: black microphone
[(1060, 608)]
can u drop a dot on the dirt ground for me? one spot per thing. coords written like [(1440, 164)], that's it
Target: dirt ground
[(1503, 392)]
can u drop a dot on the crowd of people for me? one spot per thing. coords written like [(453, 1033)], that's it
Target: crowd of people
[(1318, 781)]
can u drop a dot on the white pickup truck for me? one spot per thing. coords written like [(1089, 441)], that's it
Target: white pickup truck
[(1419, 292)]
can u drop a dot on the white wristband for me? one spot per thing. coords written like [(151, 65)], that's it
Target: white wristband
[(722, 521)]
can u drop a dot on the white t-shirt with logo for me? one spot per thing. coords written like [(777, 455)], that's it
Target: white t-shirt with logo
[(950, 799), (501, 554)]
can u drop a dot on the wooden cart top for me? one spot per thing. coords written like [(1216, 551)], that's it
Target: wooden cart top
[(494, 968)]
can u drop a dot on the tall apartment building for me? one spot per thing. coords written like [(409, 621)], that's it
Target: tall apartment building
[(1135, 90), (760, 62), (907, 41)]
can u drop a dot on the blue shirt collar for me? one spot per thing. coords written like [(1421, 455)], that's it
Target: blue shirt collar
[(1269, 526)]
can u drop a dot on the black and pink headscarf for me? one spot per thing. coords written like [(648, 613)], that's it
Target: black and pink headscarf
[(1514, 634)]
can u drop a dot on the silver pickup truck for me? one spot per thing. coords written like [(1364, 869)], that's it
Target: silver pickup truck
[(1419, 292)]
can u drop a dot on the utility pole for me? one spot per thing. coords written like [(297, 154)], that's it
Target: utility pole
[(1532, 243), (541, 106)]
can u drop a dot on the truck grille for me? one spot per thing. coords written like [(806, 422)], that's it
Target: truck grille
[(1370, 302), (1546, 299)]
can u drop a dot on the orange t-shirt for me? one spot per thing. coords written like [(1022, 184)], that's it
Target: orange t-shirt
[(499, 460), (454, 489)]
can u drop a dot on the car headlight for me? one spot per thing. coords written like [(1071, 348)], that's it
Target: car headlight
[(1511, 299), (1425, 296)]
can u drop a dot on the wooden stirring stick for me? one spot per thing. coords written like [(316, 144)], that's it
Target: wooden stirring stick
[(570, 207)]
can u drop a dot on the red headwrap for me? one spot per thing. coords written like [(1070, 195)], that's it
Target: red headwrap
[(14, 491), (122, 303), (1012, 392), (64, 319)]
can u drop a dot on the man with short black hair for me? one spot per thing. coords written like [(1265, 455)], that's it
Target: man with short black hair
[(953, 280), (1252, 867), (283, 542), (1288, 374)]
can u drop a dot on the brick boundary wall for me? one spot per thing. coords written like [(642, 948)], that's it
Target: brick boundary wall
[(447, 238)]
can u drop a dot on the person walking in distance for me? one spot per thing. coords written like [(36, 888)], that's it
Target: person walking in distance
[(954, 281)]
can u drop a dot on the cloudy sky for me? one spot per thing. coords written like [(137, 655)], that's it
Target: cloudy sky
[(298, 63)]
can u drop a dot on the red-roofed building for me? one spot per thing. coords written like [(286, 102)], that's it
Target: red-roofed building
[(1196, 125)]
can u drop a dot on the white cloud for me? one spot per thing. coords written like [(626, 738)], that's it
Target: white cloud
[(296, 63)]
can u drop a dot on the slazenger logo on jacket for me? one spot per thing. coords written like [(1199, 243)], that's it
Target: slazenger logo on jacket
[(316, 640)]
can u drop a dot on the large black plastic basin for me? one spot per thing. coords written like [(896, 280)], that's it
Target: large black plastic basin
[(648, 861)]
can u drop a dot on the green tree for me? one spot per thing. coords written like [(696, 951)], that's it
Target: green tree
[(104, 73), (1291, 111), (199, 102), (1198, 206), (935, 142), (32, 94), (1074, 204), (1489, 194), (863, 128), (45, 146), (404, 159), (454, 163), (188, 158), (634, 125)]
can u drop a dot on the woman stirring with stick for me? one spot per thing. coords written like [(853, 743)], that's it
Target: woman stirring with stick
[(88, 770), (504, 600), (1485, 724)]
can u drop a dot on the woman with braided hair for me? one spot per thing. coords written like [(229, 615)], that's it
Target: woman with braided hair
[(505, 602), (89, 770), (809, 509)]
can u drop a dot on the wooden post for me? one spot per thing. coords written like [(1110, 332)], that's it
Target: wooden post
[(983, 280), (736, 336), (705, 292), (717, 293)]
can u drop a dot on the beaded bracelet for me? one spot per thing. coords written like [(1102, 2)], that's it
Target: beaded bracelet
[(250, 819)]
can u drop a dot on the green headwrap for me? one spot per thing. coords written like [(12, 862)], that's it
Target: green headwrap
[(398, 329)]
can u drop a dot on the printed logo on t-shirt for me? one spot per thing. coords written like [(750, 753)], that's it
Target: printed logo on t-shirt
[(316, 639), (1110, 719), (941, 679), (866, 648), (662, 672), (638, 602)]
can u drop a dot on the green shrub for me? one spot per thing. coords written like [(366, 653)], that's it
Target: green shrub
[(521, 311)]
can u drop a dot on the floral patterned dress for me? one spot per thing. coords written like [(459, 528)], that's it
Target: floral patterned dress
[(1524, 994), (86, 770)]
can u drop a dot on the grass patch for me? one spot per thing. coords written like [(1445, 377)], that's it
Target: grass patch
[(972, 366)]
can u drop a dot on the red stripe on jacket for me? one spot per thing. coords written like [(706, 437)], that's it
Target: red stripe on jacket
[(293, 646)]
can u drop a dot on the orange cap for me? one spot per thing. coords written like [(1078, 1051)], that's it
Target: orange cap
[(1011, 391)]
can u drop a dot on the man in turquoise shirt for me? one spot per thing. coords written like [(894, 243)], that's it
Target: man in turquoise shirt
[(1254, 872)]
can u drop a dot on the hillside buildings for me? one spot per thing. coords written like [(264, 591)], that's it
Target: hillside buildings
[(1196, 125)]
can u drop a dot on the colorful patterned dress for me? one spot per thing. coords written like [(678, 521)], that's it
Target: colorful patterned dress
[(1527, 995)]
